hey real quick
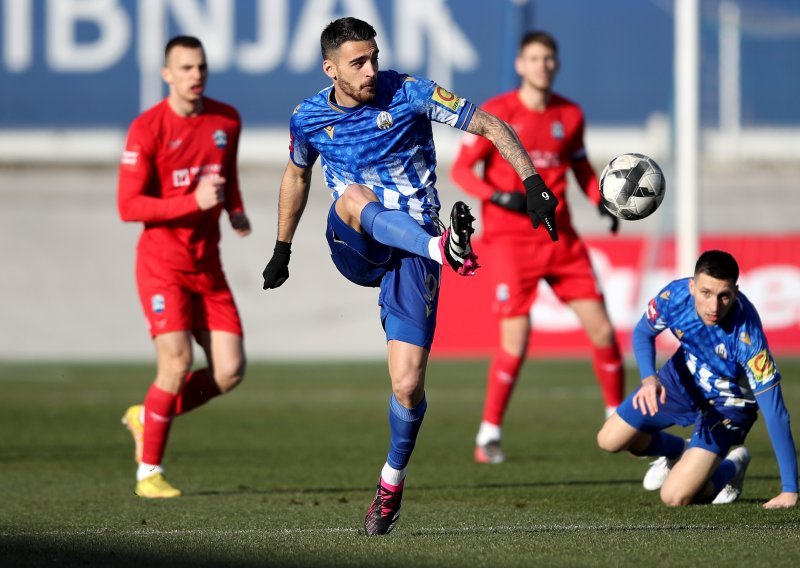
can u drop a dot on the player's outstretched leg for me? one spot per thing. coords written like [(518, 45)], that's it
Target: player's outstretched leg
[(455, 241), (132, 420), (740, 457)]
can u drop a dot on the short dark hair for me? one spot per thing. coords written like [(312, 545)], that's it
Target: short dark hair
[(538, 36), (717, 264), (343, 30), (182, 41)]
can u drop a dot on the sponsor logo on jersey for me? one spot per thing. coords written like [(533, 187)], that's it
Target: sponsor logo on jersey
[(745, 338), (329, 131), (446, 98), (220, 138), (129, 157), (158, 303), (384, 120), (557, 130), (721, 351), (664, 295), (502, 293), (181, 178), (652, 311), (763, 367)]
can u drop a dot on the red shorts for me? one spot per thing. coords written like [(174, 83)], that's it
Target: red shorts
[(185, 301), (516, 266)]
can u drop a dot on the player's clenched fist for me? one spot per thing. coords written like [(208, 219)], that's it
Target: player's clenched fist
[(541, 204), (277, 270), (210, 192)]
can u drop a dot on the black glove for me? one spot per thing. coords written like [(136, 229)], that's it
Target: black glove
[(541, 204), (277, 270), (511, 200), (606, 213)]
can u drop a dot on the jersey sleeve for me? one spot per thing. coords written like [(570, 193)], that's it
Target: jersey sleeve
[(437, 103), (472, 150), (756, 360), (776, 417), (584, 172), (301, 152), (137, 173), (658, 311), (233, 195)]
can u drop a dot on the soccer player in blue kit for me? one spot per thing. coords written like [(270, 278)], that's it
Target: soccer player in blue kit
[(719, 378), (373, 132)]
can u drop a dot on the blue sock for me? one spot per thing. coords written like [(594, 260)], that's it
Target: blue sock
[(394, 228), (663, 444), (724, 473), (404, 425)]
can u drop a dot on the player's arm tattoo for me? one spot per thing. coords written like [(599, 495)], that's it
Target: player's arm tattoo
[(505, 140)]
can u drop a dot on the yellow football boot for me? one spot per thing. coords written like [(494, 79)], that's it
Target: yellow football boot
[(156, 487), (132, 422)]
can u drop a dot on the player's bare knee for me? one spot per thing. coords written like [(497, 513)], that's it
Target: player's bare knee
[(607, 442), (229, 376), (672, 498)]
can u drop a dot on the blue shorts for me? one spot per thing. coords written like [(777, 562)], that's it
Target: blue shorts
[(712, 430), (409, 283)]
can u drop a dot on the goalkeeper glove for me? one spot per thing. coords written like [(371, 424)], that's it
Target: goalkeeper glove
[(606, 213), (511, 200), (541, 204), (277, 270)]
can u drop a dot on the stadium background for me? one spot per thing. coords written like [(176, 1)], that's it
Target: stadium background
[(74, 73)]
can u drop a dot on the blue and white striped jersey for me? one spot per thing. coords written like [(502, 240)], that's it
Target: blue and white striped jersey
[(730, 362), (386, 145)]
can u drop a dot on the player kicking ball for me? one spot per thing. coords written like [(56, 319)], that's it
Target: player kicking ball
[(719, 378), (372, 130)]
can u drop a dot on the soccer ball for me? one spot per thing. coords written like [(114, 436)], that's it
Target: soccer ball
[(632, 186)]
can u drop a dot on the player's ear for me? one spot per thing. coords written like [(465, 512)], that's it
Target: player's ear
[(166, 75), (329, 68)]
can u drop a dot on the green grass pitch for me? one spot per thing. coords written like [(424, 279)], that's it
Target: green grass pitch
[(281, 471)]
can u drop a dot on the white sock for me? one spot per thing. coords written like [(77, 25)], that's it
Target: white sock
[(610, 410), (488, 433), (433, 250), (391, 475), (146, 470)]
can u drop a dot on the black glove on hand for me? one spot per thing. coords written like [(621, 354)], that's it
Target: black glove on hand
[(541, 204), (606, 213), (511, 200), (277, 270)]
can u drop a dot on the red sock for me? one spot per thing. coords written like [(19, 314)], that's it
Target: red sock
[(198, 389), (503, 374), (159, 408), (610, 373)]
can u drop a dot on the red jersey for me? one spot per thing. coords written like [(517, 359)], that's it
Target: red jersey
[(554, 141), (165, 156)]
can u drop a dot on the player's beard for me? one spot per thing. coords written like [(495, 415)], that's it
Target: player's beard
[(363, 94)]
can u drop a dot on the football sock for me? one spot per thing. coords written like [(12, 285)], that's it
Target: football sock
[(667, 445), (146, 470), (199, 388), (502, 378), (395, 228), (607, 363), (488, 432), (392, 478), (404, 424), (721, 477), (159, 408)]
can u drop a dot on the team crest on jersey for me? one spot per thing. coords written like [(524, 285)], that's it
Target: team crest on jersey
[(158, 303), (446, 98), (745, 338), (220, 138), (721, 351), (557, 130), (384, 120), (762, 366)]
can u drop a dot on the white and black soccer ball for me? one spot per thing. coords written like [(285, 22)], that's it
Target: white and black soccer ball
[(632, 186)]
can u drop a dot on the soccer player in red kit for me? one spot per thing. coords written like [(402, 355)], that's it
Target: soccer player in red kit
[(177, 174), (551, 129)]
